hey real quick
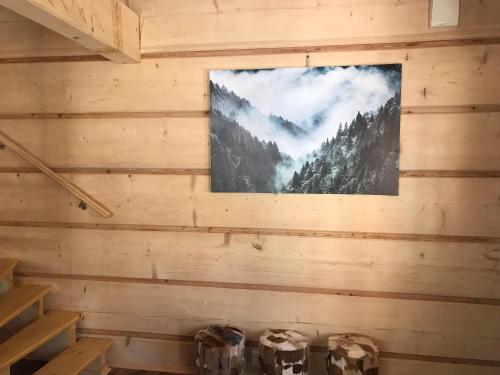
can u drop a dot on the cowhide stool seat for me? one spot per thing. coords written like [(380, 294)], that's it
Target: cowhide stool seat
[(351, 354), (283, 352), (220, 350)]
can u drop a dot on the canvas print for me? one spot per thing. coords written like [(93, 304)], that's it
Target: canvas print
[(321, 130)]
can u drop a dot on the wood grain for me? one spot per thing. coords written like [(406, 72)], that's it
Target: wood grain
[(437, 206), (478, 41), (413, 327), (108, 28), (203, 172), (270, 288), (134, 145), (433, 268), (181, 360), (354, 47), (418, 272), (203, 25), (447, 76), (67, 184), (256, 231), (405, 110)]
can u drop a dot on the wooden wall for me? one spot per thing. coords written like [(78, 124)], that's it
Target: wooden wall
[(419, 272)]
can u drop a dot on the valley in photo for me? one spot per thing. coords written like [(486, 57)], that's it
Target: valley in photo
[(322, 130)]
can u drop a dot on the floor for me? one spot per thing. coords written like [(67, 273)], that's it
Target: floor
[(134, 372)]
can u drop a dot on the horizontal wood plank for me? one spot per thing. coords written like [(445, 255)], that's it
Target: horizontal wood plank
[(444, 206), (35, 335), (74, 359), (413, 327), (183, 143), (447, 76), (255, 231), (150, 143), (204, 24), (412, 173), (20, 298), (271, 288), (449, 269), (177, 357)]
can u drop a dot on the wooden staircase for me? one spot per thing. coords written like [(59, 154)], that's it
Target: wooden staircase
[(51, 335)]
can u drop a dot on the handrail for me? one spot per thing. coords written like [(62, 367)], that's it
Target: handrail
[(86, 198)]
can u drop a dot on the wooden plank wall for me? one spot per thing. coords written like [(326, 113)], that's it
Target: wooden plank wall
[(419, 272)]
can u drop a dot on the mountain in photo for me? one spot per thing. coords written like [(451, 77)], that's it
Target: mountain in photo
[(330, 147), (241, 110), (363, 158)]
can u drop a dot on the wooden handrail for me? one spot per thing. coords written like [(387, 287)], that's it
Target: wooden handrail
[(86, 198)]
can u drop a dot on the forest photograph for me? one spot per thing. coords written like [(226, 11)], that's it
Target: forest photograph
[(317, 130)]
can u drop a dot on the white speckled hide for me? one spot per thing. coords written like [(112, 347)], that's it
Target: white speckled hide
[(283, 352), (220, 350), (351, 354)]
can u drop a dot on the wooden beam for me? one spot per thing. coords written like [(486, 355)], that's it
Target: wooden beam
[(106, 27), (86, 198)]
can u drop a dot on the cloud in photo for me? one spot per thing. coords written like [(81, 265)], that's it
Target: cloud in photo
[(316, 99)]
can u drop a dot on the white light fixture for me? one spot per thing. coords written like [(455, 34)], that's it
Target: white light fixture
[(444, 12)]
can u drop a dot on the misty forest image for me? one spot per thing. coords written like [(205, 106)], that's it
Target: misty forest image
[(328, 130)]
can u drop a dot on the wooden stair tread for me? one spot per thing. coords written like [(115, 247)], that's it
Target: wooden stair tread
[(76, 358), (35, 335), (6, 266), (18, 299)]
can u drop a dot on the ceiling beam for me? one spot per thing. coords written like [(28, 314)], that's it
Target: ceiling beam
[(106, 27)]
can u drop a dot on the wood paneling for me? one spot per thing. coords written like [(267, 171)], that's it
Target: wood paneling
[(447, 76), (108, 143), (154, 355), (183, 143), (403, 326), (448, 206), (419, 272), (205, 24), (110, 29), (446, 269), (177, 357)]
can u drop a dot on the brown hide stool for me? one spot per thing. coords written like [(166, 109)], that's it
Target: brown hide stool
[(283, 352), (351, 354), (220, 350)]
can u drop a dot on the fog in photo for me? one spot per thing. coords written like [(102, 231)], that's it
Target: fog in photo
[(306, 130)]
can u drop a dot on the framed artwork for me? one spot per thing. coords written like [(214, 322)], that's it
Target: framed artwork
[(321, 130)]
